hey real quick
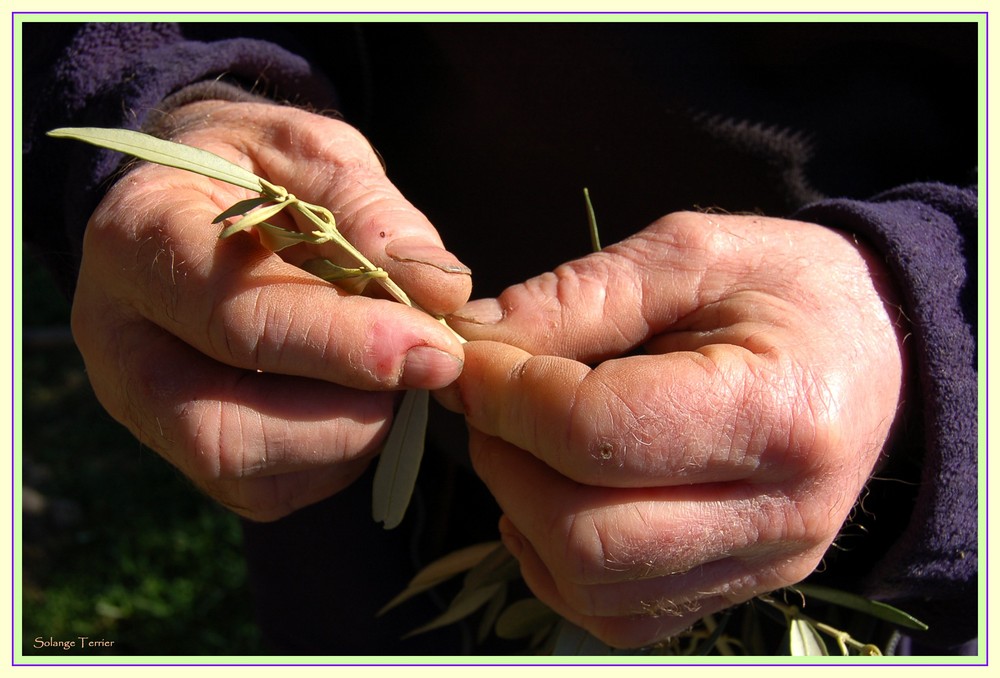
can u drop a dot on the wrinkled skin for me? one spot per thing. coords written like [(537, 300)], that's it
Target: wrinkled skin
[(268, 388), (671, 426), (684, 420)]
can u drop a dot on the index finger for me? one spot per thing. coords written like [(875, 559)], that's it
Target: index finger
[(714, 415)]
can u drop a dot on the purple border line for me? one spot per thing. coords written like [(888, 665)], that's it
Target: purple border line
[(511, 13), (986, 352), (415, 664), (13, 353)]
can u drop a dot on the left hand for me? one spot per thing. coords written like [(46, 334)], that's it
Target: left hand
[(267, 388), (718, 463)]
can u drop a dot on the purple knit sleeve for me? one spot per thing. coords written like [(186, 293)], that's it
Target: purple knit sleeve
[(927, 236), (117, 75)]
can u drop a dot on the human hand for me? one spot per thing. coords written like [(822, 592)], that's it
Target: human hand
[(719, 462), (268, 388)]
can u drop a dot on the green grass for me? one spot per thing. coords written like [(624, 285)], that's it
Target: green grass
[(116, 545)]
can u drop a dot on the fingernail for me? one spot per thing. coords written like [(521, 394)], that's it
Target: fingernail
[(416, 251), (480, 312), (428, 367)]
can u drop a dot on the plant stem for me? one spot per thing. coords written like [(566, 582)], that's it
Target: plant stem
[(321, 217)]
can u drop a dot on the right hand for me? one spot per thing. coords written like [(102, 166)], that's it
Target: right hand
[(684, 420), (267, 387)]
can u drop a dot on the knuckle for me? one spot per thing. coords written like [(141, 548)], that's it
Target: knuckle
[(616, 428), (817, 423), (199, 444), (583, 560), (788, 424), (697, 233), (335, 142), (617, 544)]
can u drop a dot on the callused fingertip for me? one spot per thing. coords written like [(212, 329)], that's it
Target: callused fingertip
[(429, 367)]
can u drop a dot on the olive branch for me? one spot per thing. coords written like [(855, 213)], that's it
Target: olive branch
[(402, 452)]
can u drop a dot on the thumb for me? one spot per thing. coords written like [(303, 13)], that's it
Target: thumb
[(593, 308), (397, 237)]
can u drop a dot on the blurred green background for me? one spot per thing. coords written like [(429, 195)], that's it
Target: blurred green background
[(116, 545)]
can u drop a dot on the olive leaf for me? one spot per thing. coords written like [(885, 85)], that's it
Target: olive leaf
[(489, 567), (240, 208), (399, 462), (804, 640), (497, 565), (525, 617), (162, 152), (442, 569), (490, 615), (258, 216), (462, 605), (858, 603), (276, 238)]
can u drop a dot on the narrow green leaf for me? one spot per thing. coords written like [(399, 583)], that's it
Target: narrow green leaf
[(276, 238), (331, 272), (804, 640), (525, 618), (752, 628), (441, 570), (399, 462), (490, 614), (858, 603), (595, 239), (230, 230), (241, 208), (162, 152), (463, 605), (497, 566), (708, 644), (260, 215)]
